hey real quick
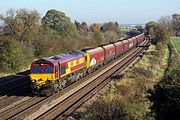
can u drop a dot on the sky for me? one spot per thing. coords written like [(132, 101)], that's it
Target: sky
[(100, 11)]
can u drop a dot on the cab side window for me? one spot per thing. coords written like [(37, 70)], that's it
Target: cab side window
[(63, 70)]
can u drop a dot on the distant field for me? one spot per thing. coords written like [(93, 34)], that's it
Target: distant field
[(176, 43)]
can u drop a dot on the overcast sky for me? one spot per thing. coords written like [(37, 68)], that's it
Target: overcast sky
[(100, 11)]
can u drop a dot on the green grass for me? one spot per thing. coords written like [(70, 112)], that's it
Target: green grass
[(176, 43)]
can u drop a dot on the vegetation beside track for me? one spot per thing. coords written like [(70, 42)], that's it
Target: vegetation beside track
[(148, 91), (176, 43), (166, 93), (130, 92)]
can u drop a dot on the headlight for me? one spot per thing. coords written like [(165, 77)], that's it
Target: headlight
[(33, 81)]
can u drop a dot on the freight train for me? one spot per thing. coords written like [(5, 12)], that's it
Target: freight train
[(50, 74)]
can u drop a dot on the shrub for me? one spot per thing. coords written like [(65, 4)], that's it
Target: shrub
[(106, 109), (11, 56), (166, 94), (166, 98), (97, 36)]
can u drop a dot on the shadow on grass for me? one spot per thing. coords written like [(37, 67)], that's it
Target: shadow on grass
[(116, 77), (15, 85)]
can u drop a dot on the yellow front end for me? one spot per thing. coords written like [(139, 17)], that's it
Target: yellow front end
[(42, 79)]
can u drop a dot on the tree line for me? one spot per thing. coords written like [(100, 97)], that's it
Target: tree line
[(26, 36), (171, 24)]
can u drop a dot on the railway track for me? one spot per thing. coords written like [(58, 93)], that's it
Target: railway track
[(67, 106), (14, 89), (66, 101), (14, 93), (8, 82), (10, 87), (18, 102), (22, 105), (7, 100)]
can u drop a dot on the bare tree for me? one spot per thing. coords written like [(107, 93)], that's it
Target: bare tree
[(21, 23), (166, 22), (176, 24)]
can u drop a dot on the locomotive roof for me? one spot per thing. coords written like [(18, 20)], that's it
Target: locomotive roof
[(64, 57)]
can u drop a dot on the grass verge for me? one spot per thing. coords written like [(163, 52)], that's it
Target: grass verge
[(176, 43), (130, 93)]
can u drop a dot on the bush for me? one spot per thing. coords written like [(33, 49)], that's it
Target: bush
[(11, 56), (27, 54), (158, 33), (166, 94), (106, 109), (110, 36), (97, 36), (166, 98)]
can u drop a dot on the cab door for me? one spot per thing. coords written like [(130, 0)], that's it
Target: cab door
[(57, 72)]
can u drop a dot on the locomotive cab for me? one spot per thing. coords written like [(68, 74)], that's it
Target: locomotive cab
[(50, 74), (41, 73)]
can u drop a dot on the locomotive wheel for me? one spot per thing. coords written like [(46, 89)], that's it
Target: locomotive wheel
[(55, 87), (84, 73), (59, 85), (78, 77), (34, 93), (81, 76)]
